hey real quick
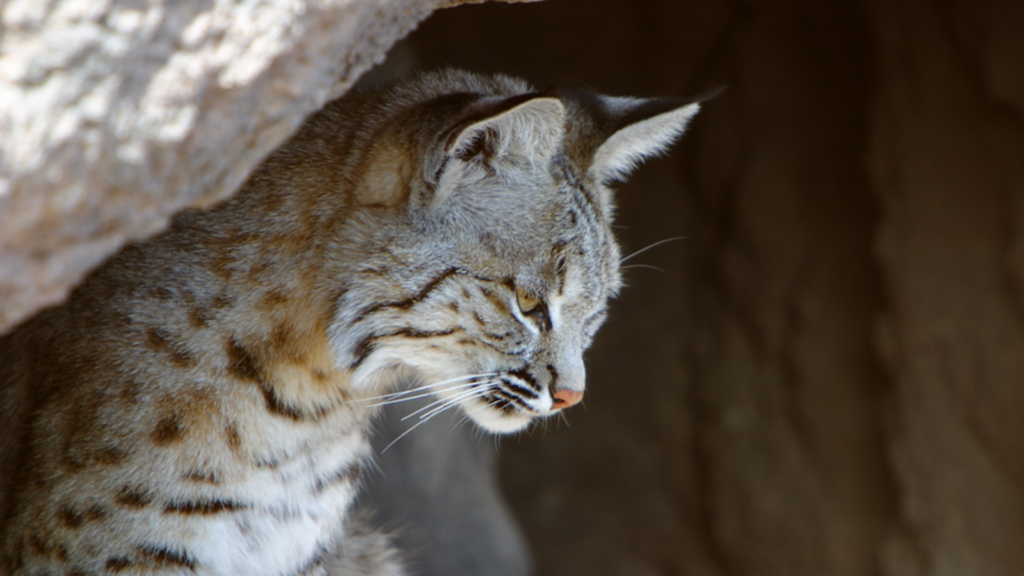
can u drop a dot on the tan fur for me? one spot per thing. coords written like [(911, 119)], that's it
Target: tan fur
[(199, 405)]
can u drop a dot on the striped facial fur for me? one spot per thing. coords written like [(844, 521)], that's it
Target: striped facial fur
[(502, 273), (507, 333), (201, 403)]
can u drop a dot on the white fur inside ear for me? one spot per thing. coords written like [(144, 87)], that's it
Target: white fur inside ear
[(627, 148), (533, 130)]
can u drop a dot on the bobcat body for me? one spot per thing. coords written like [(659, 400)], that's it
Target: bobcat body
[(201, 403)]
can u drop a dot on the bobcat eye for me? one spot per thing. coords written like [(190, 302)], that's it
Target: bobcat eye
[(526, 302)]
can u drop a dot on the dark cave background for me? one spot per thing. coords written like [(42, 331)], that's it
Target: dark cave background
[(825, 375)]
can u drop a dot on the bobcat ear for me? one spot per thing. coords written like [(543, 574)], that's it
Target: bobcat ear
[(620, 133), (641, 138), (533, 128), (530, 127)]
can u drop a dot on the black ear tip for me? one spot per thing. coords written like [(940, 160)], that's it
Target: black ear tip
[(708, 95), (667, 103)]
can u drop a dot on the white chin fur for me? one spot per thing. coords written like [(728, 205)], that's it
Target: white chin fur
[(494, 421)]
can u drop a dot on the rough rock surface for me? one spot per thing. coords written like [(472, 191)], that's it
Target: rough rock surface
[(115, 114)]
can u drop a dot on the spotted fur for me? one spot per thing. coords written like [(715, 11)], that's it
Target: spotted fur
[(200, 405)]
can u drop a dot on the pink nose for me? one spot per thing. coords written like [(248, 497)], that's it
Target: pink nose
[(565, 398)]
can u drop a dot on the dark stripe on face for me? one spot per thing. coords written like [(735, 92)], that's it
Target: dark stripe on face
[(554, 376), (512, 397), (203, 507), (560, 269), (525, 376), (591, 203), (522, 391), (412, 300), (367, 345), (496, 300), (503, 336), (501, 404), (504, 401), (571, 180), (514, 352)]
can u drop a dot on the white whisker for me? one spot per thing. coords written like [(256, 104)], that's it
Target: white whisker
[(402, 435), (422, 422), (458, 396), (458, 399), (643, 266), (561, 414), (426, 386), (431, 405), (462, 422), (656, 244), (424, 394)]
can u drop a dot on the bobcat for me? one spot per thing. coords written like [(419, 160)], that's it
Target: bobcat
[(201, 403)]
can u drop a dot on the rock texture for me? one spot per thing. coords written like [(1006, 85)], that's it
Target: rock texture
[(116, 114)]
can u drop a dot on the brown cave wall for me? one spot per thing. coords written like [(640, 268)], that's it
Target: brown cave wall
[(947, 167), (827, 375), (786, 390)]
